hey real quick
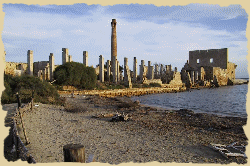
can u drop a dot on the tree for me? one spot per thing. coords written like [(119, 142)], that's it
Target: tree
[(75, 74), (24, 85)]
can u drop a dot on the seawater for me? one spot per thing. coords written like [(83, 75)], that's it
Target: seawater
[(223, 101)]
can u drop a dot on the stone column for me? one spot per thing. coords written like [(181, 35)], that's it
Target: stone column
[(125, 69), (150, 71), (169, 68), (70, 58), (161, 70), (156, 70), (108, 70), (114, 51), (44, 73), (65, 55), (135, 70), (118, 71), (85, 58), (127, 78), (142, 69), (192, 77), (51, 66), (30, 62), (47, 76), (202, 74), (196, 76), (40, 73), (101, 68)]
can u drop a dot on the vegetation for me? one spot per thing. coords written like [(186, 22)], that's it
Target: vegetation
[(136, 85), (75, 74), (43, 91), (110, 85)]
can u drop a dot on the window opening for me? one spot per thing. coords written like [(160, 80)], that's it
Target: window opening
[(211, 60), (198, 61)]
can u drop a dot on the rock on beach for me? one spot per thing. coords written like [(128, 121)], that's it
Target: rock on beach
[(151, 134)]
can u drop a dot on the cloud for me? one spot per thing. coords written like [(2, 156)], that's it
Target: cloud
[(231, 18), (158, 34), (68, 10)]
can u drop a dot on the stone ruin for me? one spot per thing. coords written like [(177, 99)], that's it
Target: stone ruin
[(204, 67)]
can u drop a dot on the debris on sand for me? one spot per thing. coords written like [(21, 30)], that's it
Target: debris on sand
[(232, 150), (119, 117)]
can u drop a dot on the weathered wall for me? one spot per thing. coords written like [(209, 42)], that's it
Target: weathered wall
[(231, 70), (176, 79), (15, 68), (220, 76), (40, 65), (220, 58)]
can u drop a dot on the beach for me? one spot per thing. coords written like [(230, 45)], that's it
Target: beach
[(150, 134)]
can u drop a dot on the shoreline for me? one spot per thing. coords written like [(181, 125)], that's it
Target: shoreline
[(151, 134), (125, 92), (167, 88)]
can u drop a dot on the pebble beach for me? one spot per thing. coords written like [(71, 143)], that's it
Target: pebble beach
[(150, 134)]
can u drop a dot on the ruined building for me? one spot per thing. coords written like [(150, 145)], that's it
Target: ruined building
[(208, 66), (204, 67), (41, 69), (65, 56)]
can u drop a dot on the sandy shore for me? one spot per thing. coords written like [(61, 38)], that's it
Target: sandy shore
[(152, 134)]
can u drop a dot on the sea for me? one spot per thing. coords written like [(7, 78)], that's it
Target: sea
[(222, 101)]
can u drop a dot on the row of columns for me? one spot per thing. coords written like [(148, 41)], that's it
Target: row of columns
[(47, 72), (65, 56)]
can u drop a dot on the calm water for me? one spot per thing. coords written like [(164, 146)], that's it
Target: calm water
[(223, 101)]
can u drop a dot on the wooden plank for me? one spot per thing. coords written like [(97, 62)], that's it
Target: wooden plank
[(74, 153)]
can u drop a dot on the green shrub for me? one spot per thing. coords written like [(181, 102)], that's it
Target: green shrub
[(44, 92), (75, 74), (155, 85)]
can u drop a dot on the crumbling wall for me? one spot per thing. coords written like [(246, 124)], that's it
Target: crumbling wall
[(40, 65), (220, 76), (231, 70), (176, 81), (212, 58), (186, 78), (15, 68)]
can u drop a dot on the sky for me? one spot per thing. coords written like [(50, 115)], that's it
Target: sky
[(161, 34)]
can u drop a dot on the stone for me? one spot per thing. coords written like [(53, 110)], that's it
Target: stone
[(150, 74), (156, 72), (142, 71), (30, 62), (70, 58), (108, 70), (118, 71), (125, 70), (51, 66), (114, 51), (65, 55), (101, 68), (85, 58), (135, 70), (127, 77), (176, 80)]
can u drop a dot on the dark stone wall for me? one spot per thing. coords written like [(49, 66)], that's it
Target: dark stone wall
[(220, 58), (40, 65)]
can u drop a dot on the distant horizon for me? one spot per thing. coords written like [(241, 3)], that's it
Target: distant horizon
[(158, 34)]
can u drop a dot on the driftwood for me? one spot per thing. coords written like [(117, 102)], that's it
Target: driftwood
[(114, 117), (231, 150), (119, 117)]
